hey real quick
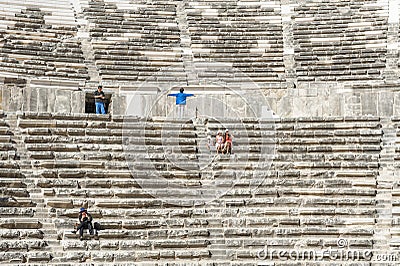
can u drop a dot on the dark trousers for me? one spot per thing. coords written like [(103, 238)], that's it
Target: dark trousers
[(85, 225)]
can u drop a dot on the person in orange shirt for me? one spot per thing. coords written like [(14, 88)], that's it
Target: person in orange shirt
[(227, 142)]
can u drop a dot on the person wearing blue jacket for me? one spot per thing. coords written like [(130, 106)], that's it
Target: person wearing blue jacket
[(181, 101)]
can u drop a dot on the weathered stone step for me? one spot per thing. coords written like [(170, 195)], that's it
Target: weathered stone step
[(20, 223)]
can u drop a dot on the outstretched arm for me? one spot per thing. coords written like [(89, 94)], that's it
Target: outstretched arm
[(172, 94)]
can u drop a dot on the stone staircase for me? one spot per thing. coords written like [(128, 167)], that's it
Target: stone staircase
[(187, 54)]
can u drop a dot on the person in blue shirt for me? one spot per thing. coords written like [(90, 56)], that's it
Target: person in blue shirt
[(181, 101)]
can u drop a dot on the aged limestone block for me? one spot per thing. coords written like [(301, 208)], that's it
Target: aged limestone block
[(192, 254), (13, 211), (60, 203), (109, 245), (135, 244), (9, 234), (167, 254), (13, 257), (102, 257), (20, 224), (13, 202), (39, 256), (14, 192), (113, 234), (74, 245), (138, 224)]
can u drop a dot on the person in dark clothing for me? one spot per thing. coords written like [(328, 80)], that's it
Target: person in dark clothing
[(85, 220), (99, 98)]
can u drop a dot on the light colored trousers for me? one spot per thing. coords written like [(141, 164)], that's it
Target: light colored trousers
[(180, 110)]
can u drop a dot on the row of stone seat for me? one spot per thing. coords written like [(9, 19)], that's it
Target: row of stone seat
[(342, 78), (22, 245), (289, 196), (340, 75), (161, 39), (146, 74), (48, 71), (234, 197), (133, 46), (110, 258), (124, 189), (256, 232), (23, 257), (50, 180), (375, 20), (340, 30), (337, 10), (127, 256), (345, 64), (235, 27)]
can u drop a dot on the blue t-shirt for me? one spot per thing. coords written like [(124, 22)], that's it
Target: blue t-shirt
[(181, 97)]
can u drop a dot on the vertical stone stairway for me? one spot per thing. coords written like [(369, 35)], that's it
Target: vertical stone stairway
[(208, 160), (186, 43), (84, 37), (37, 194)]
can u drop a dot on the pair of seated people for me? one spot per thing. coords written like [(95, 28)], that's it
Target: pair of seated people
[(223, 143)]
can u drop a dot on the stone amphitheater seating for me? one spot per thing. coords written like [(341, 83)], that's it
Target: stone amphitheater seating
[(134, 44), (246, 35), (159, 194), (320, 186), (342, 42), (143, 41), (40, 40)]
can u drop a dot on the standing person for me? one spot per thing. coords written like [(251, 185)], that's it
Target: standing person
[(85, 220), (181, 101), (99, 98)]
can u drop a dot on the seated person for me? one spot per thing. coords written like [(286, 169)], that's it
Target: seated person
[(85, 220), (219, 142), (227, 142)]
